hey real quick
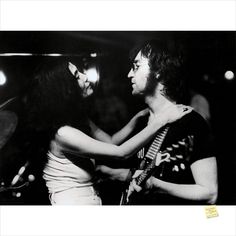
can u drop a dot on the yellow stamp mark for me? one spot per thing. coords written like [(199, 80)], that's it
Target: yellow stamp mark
[(211, 211)]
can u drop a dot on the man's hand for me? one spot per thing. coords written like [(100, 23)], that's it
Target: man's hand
[(133, 187)]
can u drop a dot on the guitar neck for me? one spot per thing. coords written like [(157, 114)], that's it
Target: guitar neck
[(146, 173), (148, 163), (151, 156)]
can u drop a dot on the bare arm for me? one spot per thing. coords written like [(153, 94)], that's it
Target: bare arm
[(119, 136), (119, 174), (205, 187), (74, 141)]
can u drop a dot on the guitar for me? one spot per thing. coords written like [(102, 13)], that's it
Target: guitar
[(147, 172), (173, 155)]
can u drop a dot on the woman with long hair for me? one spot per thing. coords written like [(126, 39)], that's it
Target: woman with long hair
[(57, 117)]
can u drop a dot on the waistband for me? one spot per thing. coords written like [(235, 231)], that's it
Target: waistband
[(79, 191)]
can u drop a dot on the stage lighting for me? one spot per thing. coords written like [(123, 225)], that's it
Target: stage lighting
[(229, 75), (3, 78), (93, 54)]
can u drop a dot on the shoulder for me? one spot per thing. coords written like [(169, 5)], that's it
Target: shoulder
[(65, 133), (194, 120), (191, 124), (194, 116), (64, 130)]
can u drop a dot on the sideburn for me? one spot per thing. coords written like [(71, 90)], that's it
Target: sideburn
[(152, 83)]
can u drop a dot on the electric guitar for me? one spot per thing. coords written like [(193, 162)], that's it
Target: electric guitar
[(173, 155)]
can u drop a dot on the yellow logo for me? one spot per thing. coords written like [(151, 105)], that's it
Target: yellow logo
[(211, 211)]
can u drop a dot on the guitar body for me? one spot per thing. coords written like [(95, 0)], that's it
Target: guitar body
[(148, 164), (168, 161), (187, 141)]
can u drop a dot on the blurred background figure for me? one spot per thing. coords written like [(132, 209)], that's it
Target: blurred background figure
[(200, 105)]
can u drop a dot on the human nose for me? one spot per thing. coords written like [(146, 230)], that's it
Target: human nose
[(131, 73)]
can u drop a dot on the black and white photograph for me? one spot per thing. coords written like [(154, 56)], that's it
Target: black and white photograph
[(117, 118)]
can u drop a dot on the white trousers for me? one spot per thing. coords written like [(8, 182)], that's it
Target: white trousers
[(76, 196)]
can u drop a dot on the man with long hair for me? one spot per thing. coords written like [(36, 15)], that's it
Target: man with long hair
[(185, 169)]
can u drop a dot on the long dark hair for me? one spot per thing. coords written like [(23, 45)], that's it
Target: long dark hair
[(54, 99)]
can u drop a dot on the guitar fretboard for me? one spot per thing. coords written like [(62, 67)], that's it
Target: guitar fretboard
[(156, 145), (151, 154)]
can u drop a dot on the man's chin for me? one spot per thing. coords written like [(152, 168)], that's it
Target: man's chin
[(136, 93)]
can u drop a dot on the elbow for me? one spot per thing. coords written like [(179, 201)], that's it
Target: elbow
[(125, 156), (122, 157), (212, 197), (120, 153), (61, 135)]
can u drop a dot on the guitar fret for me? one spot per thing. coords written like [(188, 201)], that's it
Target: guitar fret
[(153, 150), (151, 154), (157, 140), (154, 147)]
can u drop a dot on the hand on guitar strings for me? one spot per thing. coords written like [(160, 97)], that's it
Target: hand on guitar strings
[(133, 187)]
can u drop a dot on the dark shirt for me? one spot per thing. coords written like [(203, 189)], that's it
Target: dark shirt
[(187, 141)]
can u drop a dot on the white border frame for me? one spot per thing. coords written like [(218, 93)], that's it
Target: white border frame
[(118, 15)]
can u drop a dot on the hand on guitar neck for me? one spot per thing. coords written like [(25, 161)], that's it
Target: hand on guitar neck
[(160, 158)]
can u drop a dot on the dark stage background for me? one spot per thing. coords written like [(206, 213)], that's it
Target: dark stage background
[(208, 55)]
